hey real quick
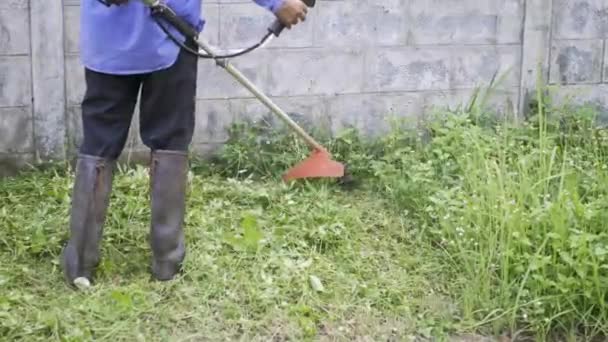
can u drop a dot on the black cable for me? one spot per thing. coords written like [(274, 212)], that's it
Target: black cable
[(202, 55)]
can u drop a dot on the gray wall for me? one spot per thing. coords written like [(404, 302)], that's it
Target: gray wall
[(352, 63)]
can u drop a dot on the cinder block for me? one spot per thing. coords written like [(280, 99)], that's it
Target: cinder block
[(447, 7), (476, 66), (440, 100), (250, 110), (371, 114), (441, 68), (501, 101), (14, 4), (446, 29), (14, 31), (361, 23), (74, 128), (576, 61), (213, 118), (390, 24), (48, 78), (316, 72), (535, 47), (15, 81), (468, 22), (71, 17), (593, 96), (511, 21), (408, 69), (16, 130), (215, 83), (580, 19), (210, 11), (75, 82), (605, 74), (310, 112)]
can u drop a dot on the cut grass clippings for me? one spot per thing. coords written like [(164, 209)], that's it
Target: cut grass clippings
[(265, 261)]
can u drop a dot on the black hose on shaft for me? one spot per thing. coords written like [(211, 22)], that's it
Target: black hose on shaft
[(204, 55), (166, 13)]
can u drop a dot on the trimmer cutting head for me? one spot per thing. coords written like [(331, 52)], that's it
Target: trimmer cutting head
[(318, 165)]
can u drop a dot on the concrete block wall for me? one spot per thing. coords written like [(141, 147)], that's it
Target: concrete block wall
[(578, 56), (16, 127), (353, 63)]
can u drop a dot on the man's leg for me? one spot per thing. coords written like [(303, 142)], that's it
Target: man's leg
[(107, 109), (167, 126)]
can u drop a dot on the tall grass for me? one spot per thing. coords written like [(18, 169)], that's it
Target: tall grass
[(518, 210)]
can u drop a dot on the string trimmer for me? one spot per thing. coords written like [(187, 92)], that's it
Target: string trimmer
[(319, 164)]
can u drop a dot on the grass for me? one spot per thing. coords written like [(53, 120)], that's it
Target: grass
[(474, 225), (256, 254)]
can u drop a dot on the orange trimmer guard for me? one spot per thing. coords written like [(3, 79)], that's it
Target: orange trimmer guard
[(318, 165)]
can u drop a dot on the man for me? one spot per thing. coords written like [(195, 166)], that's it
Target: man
[(124, 51)]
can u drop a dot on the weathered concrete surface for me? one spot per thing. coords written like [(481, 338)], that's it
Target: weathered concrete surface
[(589, 95), (577, 61), (535, 49), (48, 79), (578, 53), (14, 19), (15, 81), (16, 130), (580, 19), (353, 63)]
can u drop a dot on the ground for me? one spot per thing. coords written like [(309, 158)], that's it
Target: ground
[(265, 261), (472, 227)]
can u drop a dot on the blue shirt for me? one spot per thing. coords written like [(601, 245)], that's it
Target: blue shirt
[(125, 39)]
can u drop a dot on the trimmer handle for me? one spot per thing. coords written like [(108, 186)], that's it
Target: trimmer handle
[(277, 27), (181, 25)]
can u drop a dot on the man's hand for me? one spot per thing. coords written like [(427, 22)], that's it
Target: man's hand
[(291, 12)]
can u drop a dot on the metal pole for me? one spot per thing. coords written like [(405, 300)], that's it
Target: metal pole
[(261, 96)]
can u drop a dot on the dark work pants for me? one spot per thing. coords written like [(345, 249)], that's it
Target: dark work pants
[(167, 108)]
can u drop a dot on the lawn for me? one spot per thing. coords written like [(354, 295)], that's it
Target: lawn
[(473, 225), (264, 260)]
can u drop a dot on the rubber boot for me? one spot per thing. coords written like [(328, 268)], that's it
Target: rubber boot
[(168, 180), (90, 199)]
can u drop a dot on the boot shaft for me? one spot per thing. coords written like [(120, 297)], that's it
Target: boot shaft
[(90, 200), (168, 185)]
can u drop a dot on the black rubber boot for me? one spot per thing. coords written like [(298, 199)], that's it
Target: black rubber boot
[(90, 199), (168, 180)]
